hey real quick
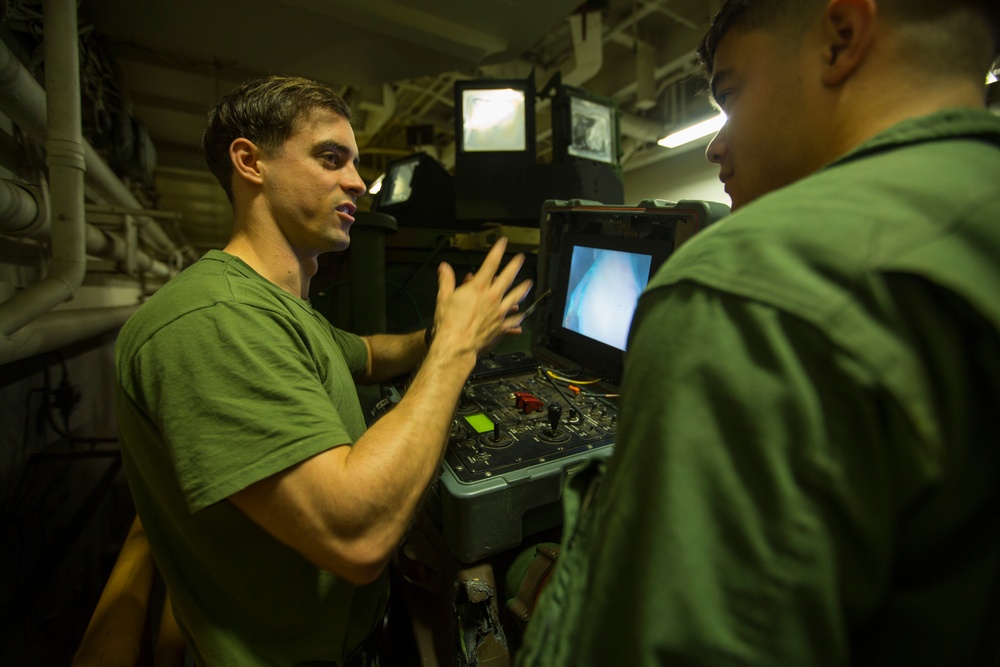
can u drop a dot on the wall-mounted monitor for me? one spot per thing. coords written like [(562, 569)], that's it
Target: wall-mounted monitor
[(494, 119), (585, 126), (495, 116), (419, 192), (591, 128), (497, 174), (397, 186)]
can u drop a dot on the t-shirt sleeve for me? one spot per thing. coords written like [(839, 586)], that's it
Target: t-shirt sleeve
[(353, 348), (239, 395)]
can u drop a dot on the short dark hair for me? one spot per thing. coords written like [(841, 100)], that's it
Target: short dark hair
[(747, 15), (263, 110), (969, 54)]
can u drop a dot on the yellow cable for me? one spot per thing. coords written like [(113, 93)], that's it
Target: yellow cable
[(576, 382)]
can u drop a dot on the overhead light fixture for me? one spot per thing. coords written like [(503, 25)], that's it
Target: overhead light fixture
[(694, 132)]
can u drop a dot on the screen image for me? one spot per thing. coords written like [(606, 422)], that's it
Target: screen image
[(400, 183), (591, 128), (494, 120), (604, 287)]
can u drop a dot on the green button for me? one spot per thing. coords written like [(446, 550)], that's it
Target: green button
[(480, 422)]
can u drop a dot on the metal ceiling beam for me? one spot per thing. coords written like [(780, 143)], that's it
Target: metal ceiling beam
[(427, 29)]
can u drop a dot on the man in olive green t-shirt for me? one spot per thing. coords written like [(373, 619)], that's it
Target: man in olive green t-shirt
[(270, 510)]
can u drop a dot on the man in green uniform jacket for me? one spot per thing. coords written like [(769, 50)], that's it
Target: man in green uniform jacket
[(270, 510), (808, 463)]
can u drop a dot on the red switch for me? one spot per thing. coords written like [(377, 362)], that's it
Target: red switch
[(526, 402)]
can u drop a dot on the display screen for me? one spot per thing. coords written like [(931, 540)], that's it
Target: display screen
[(602, 293), (399, 183), (480, 423), (591, 131), (494, 120), (599, 260)]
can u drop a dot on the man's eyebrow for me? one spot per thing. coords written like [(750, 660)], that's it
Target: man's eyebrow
[(337, 147), (718, 76)]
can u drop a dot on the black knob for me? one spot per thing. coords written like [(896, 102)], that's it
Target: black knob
[(555, 413)]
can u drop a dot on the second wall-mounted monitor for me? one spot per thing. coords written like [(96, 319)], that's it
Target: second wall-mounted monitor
[(585, 127), (591, 131), (497, 174), (397, 186), (419, 192)]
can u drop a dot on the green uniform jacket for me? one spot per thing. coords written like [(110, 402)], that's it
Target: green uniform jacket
[(807, 470), (225, 379)]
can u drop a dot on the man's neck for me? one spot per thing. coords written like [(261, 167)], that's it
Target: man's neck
[(873, 113), (275, 261)]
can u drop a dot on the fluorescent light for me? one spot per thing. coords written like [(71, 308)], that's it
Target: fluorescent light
[(991, 78), (697, 131), (377, 185)]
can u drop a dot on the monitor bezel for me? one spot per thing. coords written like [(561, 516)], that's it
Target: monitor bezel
[(526, 86), (562, 126), (596, 357), (389, 181)]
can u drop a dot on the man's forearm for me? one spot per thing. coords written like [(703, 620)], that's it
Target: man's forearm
[(391, 465), (345, 509), (393, 355)]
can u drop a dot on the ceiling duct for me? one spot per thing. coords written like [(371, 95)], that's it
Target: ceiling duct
[(586, 32), (377, 114)]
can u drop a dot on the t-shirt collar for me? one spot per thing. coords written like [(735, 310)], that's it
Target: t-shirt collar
[(948, 124)]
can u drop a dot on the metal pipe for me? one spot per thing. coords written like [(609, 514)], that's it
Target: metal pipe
[(26, 325), (108, 245), (112, 187), (24, 212), (24, 101), (64, 149), (64, 157), (21, 98), (60, 328), (19, 210)]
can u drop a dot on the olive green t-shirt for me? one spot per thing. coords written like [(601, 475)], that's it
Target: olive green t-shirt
[(223, 380)]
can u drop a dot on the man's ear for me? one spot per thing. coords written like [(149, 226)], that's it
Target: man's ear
[(245, 157), (848, 29)]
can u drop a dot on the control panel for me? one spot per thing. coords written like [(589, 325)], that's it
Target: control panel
[(512, 419)]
